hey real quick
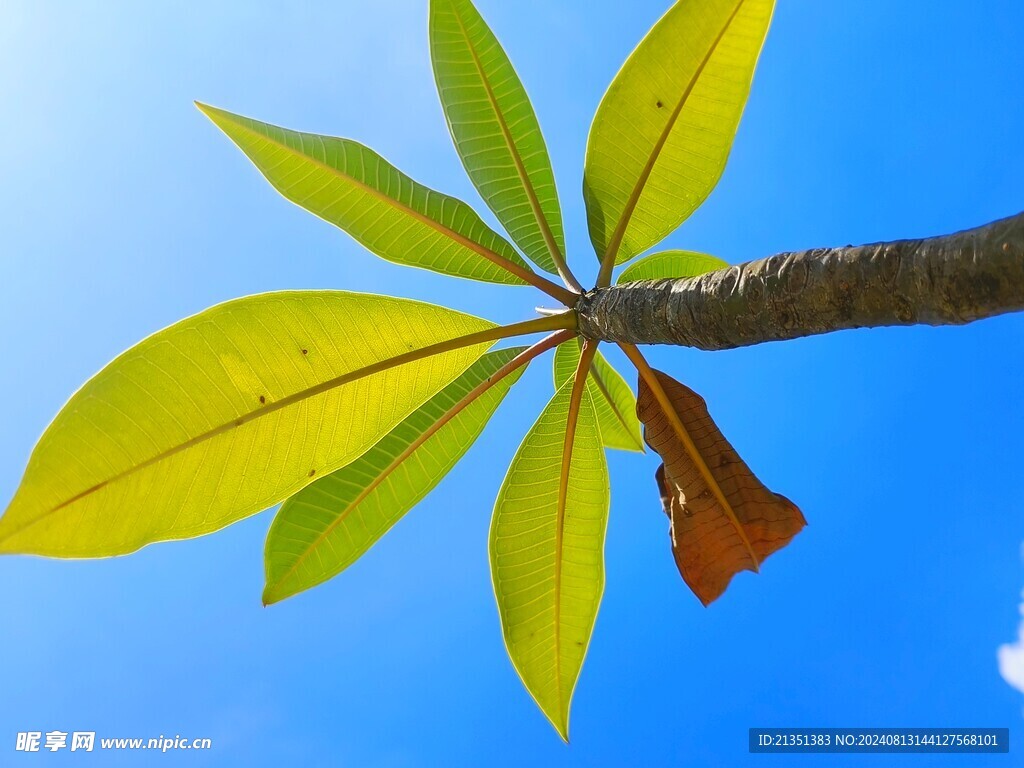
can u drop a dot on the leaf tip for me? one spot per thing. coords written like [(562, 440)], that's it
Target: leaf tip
[(560, 721), (271, 595), (216, 115)]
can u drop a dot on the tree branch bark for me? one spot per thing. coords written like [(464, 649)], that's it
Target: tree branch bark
[(948, 280)]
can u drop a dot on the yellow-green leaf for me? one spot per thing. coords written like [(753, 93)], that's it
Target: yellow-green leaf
[(354, 188), (228, 412), (614, 402), (329, 524), (662, 134), (668, 264), (547, 563), (495, 129)]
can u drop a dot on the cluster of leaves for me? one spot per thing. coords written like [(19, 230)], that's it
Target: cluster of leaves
[(350, 408)]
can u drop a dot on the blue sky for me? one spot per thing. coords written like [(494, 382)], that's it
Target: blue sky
[(122, 210)]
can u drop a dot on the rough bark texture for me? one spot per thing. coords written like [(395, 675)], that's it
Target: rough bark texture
[(948, 280)]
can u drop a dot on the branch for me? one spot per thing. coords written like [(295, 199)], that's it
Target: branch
[(948, 280)]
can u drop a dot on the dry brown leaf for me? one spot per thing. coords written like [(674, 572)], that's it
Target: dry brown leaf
[(711, 540)]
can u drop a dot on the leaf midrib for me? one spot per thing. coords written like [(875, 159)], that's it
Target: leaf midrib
[(480, 337), (650, 376), (494, 257), (608, 261), (531, 193), (572, 418), (464, 402)]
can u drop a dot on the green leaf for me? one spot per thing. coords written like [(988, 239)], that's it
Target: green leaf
[(669, 264), (663, 131), (495, 129), (354, 188), (614, 402), (329, 524), (228, 412), (547, 562)]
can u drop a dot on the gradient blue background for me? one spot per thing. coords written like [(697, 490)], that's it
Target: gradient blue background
[(122, 210)]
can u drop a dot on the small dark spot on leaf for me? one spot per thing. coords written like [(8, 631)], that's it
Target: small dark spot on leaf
[(660, 105), (262, 399), (312, 472), (305, 351)]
